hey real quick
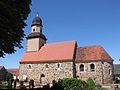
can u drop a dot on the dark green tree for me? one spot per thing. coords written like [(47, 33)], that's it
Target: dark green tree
[(74, 84), (9, 76), (13, 14)]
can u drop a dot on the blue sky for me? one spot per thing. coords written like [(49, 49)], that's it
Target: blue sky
[(89, 22)]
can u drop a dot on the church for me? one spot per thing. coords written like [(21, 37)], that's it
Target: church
[(44, 62)]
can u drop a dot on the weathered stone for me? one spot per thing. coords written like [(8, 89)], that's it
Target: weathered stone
[(45, 73), (52, 72)]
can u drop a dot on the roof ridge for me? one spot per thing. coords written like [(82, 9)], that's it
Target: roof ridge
[(91, 46), (60, 42)]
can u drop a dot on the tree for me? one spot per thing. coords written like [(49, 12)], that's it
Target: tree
[(13, 14), (9, 76)]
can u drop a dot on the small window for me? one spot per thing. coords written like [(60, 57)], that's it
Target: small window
[(92, 67), (30, 66), (58, 65), (109, 71), (81, 67), (33, 29), (46, 66)]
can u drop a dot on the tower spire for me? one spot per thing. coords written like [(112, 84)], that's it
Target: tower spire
[(37, 14)]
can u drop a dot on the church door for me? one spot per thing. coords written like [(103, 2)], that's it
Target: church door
[(42, 79)]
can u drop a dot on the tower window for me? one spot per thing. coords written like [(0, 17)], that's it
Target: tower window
[(33, 29), (92, 67), (81, 67)]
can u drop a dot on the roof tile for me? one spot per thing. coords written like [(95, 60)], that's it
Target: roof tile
[(89, 53), (1, 67), (61, 51)]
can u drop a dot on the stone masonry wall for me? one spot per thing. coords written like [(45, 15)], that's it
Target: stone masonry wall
[(101, 75), (95, 75), (49, 71), (44, 73), (108, 72)]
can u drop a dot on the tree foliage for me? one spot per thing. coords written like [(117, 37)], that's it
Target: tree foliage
[(73, 84), (91, 84), (77, 84), (9, 76), (13, 14)]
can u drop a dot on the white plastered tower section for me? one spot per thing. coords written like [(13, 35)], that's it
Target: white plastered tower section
[(36, 39)]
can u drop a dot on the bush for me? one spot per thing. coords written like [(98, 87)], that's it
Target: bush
[(99, 87), (73, 84), (91, 84), (4, 85)]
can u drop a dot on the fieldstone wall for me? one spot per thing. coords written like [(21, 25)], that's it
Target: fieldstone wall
[(102, 74), (95, 75), (108, 72), (44, 73)]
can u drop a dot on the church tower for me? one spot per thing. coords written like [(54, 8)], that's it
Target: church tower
[(36, 39)]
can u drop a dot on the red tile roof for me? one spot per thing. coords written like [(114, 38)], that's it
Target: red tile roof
[(1, 67), (91, 53), (61, 51), (14, 71)]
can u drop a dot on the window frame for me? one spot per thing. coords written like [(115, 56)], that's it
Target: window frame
[(82, 68), (92, 68)]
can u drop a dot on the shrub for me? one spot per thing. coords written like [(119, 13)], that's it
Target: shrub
[(91, 84), (76, 84), (73, 84), (99, 87), (3, 85)]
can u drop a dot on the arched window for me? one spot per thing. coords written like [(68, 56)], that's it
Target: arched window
[(81, 67), (29, 66), (46, 65), (92, 67), (33, 29), (58, 65)]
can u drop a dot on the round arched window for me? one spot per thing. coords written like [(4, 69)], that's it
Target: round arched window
[(92, 67), (81, 67)]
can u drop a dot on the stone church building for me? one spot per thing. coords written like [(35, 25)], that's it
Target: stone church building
[(44, 62)]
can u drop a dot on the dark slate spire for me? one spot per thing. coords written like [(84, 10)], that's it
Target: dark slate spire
[(37, 21)]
